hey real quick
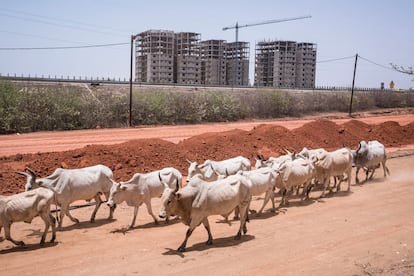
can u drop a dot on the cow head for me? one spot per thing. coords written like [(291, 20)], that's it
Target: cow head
[(169, 199), (192, 169), (362, 148), (260, 161), (117, 194), (31, 182)]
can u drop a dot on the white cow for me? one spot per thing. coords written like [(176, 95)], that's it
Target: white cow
[(332, 164), (295, 173), (370, 156), (200, 199), (142, 187), (274, 162), (70, 185), (263, 181), (212, 170), (24, 207)]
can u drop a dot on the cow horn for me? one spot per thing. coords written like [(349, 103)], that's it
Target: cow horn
[(288, 152), (359, 146), (24, 174), (162, 182), (31, 172), (177, 186), (188, 161)]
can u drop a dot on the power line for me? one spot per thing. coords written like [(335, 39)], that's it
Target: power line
[(60, 20), (40, 37), (42, 21), (377, 64), (335, 59), (62, 48)]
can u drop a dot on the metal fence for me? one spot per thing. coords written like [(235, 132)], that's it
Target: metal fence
[(111, 80)]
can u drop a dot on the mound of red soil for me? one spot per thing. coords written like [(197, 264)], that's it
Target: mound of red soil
[(146, 155)]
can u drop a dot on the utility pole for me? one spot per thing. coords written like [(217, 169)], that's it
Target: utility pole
[(130, 79), (237, 27), (353, 84)]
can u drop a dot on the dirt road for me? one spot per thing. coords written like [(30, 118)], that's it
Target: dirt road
[(369, 231), (66, 140), (366, 232)]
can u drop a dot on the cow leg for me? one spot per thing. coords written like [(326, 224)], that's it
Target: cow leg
[(348, 176), (184, 243), (8, 236), (46, 219), (268, 195), (65, 211), (366, 175), (236, 213), (53, 223), (283, 200), (135, 217), (149, 209), (98, 201), (308, 188), (207, 227), (272, 197), (356, 175), (386, 170), (111, 211), (325, 185), (243, 216)]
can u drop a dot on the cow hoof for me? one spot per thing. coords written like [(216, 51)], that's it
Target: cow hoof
[(181, 249), (209, 242)]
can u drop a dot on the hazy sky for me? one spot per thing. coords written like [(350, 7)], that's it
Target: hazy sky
[(381, 32)]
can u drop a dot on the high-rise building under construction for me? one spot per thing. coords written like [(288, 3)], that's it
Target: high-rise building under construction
[(285, 64), (182, 58)]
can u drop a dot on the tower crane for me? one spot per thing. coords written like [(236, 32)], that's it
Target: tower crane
[(237, 27)]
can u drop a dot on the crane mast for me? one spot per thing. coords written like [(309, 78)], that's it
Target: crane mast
[(237, 27)]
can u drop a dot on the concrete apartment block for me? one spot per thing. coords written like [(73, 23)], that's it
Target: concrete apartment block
[(155, 51), (238, 55), (188, 62), (168, 57), (285, 64), (213, 69), (305, 65)]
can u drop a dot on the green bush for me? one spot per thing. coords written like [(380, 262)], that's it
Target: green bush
[(27, 107)]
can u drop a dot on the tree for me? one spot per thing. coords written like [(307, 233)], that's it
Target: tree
[(401, 69)]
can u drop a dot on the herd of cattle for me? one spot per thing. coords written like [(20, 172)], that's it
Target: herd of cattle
[(212, 188)]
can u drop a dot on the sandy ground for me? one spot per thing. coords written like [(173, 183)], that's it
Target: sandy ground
[(369, 231)]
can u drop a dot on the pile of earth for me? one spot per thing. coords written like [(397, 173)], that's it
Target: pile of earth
[(145, 155)]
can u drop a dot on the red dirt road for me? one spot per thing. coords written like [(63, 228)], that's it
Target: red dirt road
[(368, 231), (66, 140)]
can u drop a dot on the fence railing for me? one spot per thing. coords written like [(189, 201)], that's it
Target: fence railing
[(112, 80)]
